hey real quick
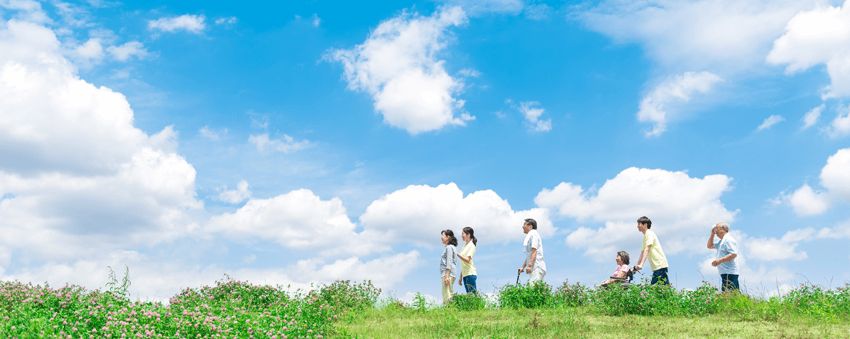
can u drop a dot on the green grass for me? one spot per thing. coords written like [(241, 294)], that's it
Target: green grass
[(579, 322), (348, 310)]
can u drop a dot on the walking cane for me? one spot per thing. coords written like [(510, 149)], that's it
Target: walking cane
[(517, 277)]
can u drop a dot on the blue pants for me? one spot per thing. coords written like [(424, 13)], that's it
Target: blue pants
[(729, 282), (469, 283), (660, 276)]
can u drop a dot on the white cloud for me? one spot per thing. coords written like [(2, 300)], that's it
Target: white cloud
[(770, 122), (835, 180), (399, 67), (665, 100), (806, 201), (418, 213), (725, 35), (532, 112), (75, 168), (818, 36), (128, 50), (477, 7), (211, 134), (538, 11), (682, 209), (812, 116), (840, 126), (226, 21), (187, 22), (835, 176), (81, 187), (91, 50), (781, 249), (238, 195), (298, 219), (26, 10), (286, 143), (316, 21)]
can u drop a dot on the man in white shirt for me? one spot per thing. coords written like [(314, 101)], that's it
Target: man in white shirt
[(533, 265)]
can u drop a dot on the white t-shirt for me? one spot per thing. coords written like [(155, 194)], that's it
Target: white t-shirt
[(533, 240)]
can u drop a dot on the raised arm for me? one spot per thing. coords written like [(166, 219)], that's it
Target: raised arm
[(710, 243)]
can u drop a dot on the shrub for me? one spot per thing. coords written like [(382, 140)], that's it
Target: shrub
[(535, 295), (468, 302), (346, 296), (573, 295)]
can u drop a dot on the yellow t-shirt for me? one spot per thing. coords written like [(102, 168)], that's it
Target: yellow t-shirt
[(657, 259), (468, 268)]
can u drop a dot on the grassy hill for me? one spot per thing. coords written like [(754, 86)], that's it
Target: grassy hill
[(343, 309)]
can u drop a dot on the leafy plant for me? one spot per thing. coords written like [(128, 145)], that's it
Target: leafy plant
[(468, 302), (535, 295)]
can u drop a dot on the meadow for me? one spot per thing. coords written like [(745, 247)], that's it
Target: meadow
[(232, 308)]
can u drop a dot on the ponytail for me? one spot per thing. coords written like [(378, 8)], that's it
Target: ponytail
[(471, 232), (451, 235)]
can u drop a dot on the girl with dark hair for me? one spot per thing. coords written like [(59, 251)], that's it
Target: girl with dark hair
[(468, 274), (448, 262)]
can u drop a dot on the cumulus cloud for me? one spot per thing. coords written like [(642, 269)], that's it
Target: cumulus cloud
[(770, 122), (681, 207), (835, 175), (819, 36), (812, 116), (840, 126), (298, 219), (726, 35), (532, 111), (82, 188), (127, 51), (666, 99), (418, 213), (91, 50), (285, 144), (780, 249), (235, 196), (94, 179), (805, 201), (398, 66), (187, 22), (835, 180)]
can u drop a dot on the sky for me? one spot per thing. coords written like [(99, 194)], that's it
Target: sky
[(304, 142)]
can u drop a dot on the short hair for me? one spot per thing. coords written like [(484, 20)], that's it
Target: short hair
[(624, 256), (644, 220), (723, 225), (531, 222)]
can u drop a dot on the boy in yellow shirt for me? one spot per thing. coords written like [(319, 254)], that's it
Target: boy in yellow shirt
[(652, 250)]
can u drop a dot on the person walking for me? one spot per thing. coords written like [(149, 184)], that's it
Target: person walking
[(652, 250), (534, 265)]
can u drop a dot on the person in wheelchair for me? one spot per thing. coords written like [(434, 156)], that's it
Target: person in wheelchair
[(622, 274)]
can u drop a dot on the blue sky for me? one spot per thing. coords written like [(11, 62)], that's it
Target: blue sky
[(312, 141)]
